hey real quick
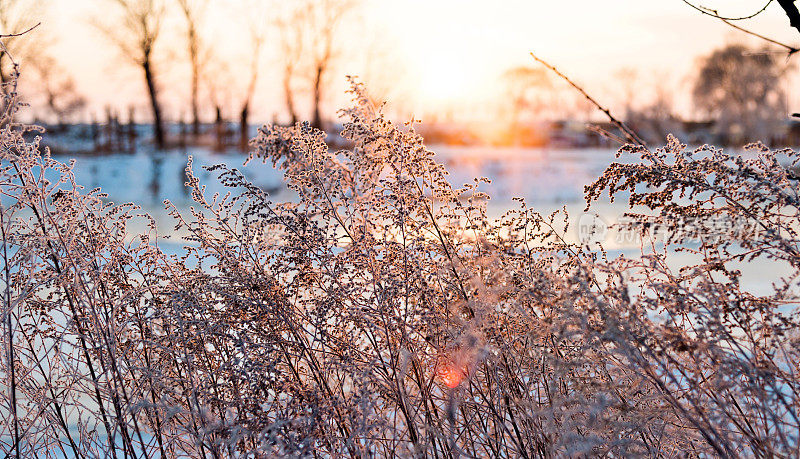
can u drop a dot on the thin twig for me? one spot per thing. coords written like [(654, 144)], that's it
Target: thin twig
[(630, 135), (789, 48), (9, 35), (727, 20), (715, 13), (604, 133)]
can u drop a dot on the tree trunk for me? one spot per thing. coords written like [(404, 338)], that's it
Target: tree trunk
[(131, 128), (287, 90), (158, 123), (317, 120), (218, 128), (243, 127), (195, 106)]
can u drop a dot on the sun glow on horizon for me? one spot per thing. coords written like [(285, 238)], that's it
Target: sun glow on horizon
[(445, 80), (443, 84)]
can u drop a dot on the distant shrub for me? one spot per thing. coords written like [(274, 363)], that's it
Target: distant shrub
[(384, 313)]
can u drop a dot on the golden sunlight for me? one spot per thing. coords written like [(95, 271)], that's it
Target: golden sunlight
[(445, 79), (451, 374)]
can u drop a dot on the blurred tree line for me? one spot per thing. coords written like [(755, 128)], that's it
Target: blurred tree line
[(738, 89), (738, 94), (308, 33)]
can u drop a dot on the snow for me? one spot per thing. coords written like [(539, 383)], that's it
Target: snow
[(548, 179)]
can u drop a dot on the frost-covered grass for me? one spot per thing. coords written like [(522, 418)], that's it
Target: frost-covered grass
[(383, 311)]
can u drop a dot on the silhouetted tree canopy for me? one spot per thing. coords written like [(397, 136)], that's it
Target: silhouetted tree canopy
[(741, 89)]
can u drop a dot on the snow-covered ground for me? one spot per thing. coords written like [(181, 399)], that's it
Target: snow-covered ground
[(548, 179)]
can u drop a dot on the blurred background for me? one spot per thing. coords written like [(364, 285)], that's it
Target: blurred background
[(131, 88), (462, 67)]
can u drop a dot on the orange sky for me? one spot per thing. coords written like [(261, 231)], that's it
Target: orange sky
[(436, 53)]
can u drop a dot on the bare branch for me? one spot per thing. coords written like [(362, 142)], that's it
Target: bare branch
[(791, 49), (630, 135), (136, 35), (791, 11), (715, 13), (788, 6), (20, 33)]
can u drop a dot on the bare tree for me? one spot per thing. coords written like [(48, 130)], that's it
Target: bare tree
[(258, 42), (290, 33), (525, 88), (627, 80), (311, 28), (193, 11), (61, 97), (219, 95), (136, 35), (324, 18), (17, 16), (527, 91), (741, 89), (258, 18), (653, 117)]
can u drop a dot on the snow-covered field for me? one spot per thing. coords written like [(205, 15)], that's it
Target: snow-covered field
[(548, 179)]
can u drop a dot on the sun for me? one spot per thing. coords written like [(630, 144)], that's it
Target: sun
[(444, 80), (451, 374)]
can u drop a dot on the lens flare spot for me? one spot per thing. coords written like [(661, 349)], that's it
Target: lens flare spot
[(450, 375)]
